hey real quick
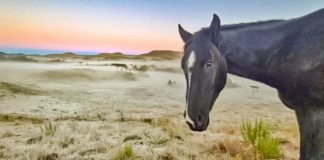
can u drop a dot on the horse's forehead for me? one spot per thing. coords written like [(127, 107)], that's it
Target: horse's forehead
[(191, 59)]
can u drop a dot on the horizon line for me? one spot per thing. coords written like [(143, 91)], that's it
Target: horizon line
[(33, 51)]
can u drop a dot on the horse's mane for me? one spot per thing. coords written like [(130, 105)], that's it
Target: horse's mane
[(242, 25)]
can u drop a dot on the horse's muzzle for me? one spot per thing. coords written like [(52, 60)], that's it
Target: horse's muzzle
[(200, 123)]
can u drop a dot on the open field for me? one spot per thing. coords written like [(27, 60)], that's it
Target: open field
[(90, 109)]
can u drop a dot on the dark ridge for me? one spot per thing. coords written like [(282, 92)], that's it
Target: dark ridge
[(63, 55), (160, 55), (69, 53), (115, 53)]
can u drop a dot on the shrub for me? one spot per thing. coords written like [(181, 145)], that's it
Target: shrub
[(269, 148), (259, 136), (251, 133)]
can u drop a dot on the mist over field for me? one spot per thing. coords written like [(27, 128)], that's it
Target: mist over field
[(108, 80), (69, 106)]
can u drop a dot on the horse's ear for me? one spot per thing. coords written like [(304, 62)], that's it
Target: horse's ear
[(185, 35), (214, 27)]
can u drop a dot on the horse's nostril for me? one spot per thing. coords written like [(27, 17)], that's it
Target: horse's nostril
[(200, 117), (200, 121)]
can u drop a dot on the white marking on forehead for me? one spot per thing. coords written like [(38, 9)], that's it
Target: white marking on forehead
[(190, 63), (191, 60)]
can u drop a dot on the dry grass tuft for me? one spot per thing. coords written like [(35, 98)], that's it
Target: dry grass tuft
[(2, 154), (168, 125), (48, 129), (7, 134), (141, 68), (132, 137), (34, 140), (147, 120), (230, 149), (125, 153), (96, 150), (66, 142), (291, 131), (158, 141), (167, 156), (229, 130), (53, 156)]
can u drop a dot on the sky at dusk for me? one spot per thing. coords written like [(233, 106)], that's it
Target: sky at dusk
[(128, 26)]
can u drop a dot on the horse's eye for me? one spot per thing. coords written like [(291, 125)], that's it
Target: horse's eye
[(209, 64)]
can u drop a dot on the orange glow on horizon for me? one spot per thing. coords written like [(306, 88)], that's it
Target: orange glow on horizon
[(29, 29)]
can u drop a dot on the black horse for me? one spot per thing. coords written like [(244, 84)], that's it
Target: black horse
[(285, 54)]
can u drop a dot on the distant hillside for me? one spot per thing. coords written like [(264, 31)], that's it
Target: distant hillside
[(15, 57), (152, 55), (64, 55), (2, 55), (160, 55), (116, 55)]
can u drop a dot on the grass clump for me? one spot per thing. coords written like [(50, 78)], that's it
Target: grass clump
[(124, 153), (48, 129), (19, 118), (259, 136), (18, 89)]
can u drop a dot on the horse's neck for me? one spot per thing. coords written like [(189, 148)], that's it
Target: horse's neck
[(249, 52)]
